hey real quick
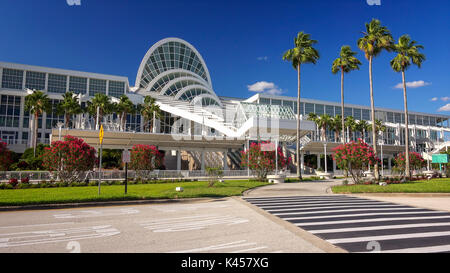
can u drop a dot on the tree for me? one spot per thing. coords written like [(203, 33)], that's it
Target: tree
[(150, 111), (346, 63), (407, 54), (336, 126), (29, 161), (302, 53), (104, 105), (123, 108), (144, 159), (68, 107), (351, 124), (354, 158), (376, 39), (415, 160), (322, 122), (70, 159), (37, 103), (261, 162), (362, 126), (5, 157)]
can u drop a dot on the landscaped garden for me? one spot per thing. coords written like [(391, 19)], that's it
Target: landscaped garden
[(152, 190), (439, 185)]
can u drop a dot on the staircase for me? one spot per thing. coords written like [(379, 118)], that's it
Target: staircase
[(235, 158), (436, 150)]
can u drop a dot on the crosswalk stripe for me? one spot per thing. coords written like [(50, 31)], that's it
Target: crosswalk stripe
[(428, 249), (364, 214), (298, 199), (342, 230), (389, 237), (281, 202), (319, 208), (347, 210), (313, 203), (370, 220)]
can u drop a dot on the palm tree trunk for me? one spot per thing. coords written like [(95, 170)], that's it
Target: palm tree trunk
[(374, 132), (36, 124), (342, 105), (407, 169), (299, 173)]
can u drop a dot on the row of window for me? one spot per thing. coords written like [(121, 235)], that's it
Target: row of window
[(357, 113), (14, 78)]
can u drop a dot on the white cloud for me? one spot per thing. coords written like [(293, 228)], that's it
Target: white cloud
[(414, 84), (434, 99), (262, 58), (445, 108), (265, 87), (445, 98)]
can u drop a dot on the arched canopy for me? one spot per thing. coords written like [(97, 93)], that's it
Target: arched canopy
[(171, 88), (170, 54)]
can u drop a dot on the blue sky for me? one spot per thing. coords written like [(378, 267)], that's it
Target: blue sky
[(242, 42)]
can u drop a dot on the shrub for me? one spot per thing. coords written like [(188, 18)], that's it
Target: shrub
[(416, 162), (262, 162), (144, 159), (70, 158), (214, 174), (25, 180), (5, 157), (355, 157), (13, 182)]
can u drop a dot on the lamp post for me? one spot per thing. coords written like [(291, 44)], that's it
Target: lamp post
[(34, 123), (381, 142), (60, 125)]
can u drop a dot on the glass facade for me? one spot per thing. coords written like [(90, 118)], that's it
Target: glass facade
[(116, 89), (173, 89), (12, 78), (57, 83), (53, 118), (78, 85), (10, 111), (192, 93), (97, 86), (35, 80), (171, 55)]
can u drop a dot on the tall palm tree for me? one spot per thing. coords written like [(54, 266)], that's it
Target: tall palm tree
[(407, 53), (124, 107), (323, 122), (37, 103), (150, 111), (363, 126), (376, 39), (104, 105), (345, 63), (302, 53), (68, 107)]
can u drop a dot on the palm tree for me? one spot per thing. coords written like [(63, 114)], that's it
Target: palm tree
[(68, 107), (336, 126), (376, 39), (407, 52), (37, 103), (350, 124), (323, 122), (124, 107), (150, 111), (363, 126), (104, 105), (302, 53), (345, 63)]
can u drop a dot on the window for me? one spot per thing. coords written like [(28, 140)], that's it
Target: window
[(35, 80), (57, 83), (309, 108), (365, 114), (78, 85), (412, 119), (52, 117), (264, 101), (10, 111), (329, 110), (97, 86), (276, 102), (348, 112), (319, 110), (116, 89), (390, 117), (12, 78)]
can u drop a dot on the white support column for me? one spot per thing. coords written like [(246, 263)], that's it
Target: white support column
[(302, 162), (389, 163), (318, 161), (202, 159), (178, 160), (225, 160), (334, 166)]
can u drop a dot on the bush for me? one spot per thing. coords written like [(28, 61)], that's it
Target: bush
[(144, 159), (13, 182), (214, 174), (25, 180)]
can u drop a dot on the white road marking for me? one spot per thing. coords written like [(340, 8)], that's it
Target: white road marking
[(339, 230), (54, 236), (370, 220), (231, 245), (249, 249), (428, 249), (289, 205), (96, 213), (330, 207), (346, 210), (191, 223), (389, 237), (39, 225), (364, 214), (192, 207)]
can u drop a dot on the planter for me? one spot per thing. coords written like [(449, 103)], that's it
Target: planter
[(324, 175), (369, 174), (278, 178)]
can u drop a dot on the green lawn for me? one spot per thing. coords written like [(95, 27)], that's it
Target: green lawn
[(423, 186), (18, 197)]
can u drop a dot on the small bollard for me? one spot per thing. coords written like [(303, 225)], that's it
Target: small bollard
[(179, 189), (383, 184)]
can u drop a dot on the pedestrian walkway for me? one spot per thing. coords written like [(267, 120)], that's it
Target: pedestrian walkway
[(363, 225)]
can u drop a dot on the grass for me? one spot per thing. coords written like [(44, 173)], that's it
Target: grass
[(20, 197), (422, 186)]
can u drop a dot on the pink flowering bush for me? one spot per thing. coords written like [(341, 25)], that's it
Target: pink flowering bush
[(355, 157), (5, 157), (261, 163), (144, 159), (416, 161), (69, 159)]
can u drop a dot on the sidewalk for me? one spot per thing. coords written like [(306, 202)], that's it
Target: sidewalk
[(291, 189)]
